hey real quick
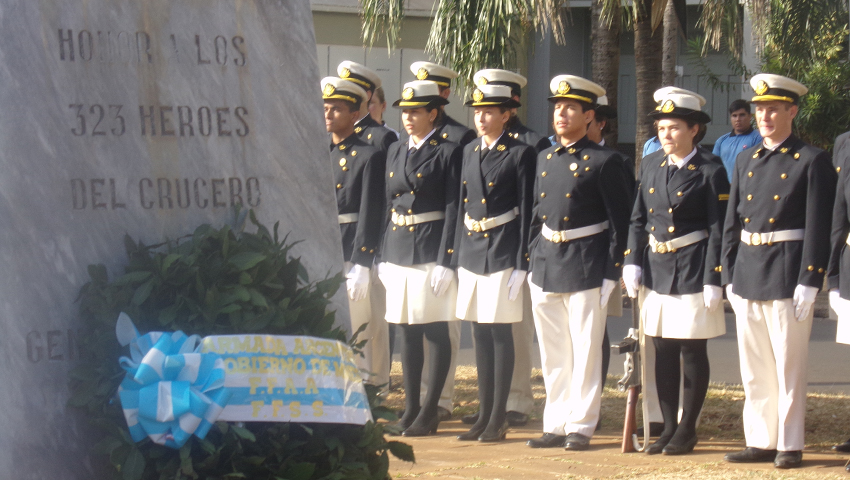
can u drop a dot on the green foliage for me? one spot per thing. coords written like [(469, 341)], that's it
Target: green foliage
[(468, 35), (217, 281)]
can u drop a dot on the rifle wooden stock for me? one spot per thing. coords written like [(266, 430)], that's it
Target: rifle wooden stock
[(630, 425)]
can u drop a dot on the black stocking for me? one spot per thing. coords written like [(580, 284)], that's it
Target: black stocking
[(667, 377), (494, 358), (439, 361)]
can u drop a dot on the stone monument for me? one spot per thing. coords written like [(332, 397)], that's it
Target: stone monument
[(147, 118)]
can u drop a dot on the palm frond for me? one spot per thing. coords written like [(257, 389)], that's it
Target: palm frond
[(381, 18)]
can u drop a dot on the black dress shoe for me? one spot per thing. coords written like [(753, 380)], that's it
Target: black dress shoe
[(470, 419), (751, 455), (791, 459), (472, 434), (576, 441), (426, 427), (443, 414), (659, 445), (548, 440), (680, 448), (842, 447), (494, 435), (516, 419)]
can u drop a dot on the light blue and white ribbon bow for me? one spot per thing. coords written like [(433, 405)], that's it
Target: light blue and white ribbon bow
[(171, 390)]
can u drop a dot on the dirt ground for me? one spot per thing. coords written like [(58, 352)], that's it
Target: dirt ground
[(720, 431)]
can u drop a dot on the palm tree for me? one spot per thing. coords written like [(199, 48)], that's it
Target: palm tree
[(468, 35), (605, 50)]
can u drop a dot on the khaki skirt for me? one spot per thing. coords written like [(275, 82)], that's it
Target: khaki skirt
[(679, 316), (410, 298), (484, 298)]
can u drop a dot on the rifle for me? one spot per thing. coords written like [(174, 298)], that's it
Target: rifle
[(631, 381)]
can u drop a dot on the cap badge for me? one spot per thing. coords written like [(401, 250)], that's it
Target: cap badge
[(482, 81), (329, 90), (563, 87), (668, 106), (761, 88), (422, 74), (477, 95), (574, 166), (407, 93), (344, 73)]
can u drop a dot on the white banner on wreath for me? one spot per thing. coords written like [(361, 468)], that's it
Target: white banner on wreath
[(276, 378)]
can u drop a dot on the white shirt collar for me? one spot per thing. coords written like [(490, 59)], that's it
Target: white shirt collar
[(417, 146), (361, 118), (492, 145), (602, 143), (776, 145), (681, 163)]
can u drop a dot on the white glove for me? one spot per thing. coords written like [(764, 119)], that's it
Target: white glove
[(605, 292), (441, 278), (631, 277), (515, 282), (804, 298), (357, 282), (834, 299), (712, 295)]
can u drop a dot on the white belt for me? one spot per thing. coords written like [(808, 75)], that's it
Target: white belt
[(677, 243), (848, 240), (348, 217), (558, 236), (488, 223), (402, 220), (770, 238)]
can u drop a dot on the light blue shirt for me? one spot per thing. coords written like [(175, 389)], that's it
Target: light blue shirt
[(730, 145), (651, 145)]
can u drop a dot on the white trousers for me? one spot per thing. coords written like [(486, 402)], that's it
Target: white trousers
[(520, 398), (375, 361), (449, 387), (774, 351), (570, 327)]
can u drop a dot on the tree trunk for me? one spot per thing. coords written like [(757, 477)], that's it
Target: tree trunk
[(647, 73), (671, 45), (605, 44)]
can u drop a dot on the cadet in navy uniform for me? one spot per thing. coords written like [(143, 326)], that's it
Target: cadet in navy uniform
[(359, 178), (448, 128), (775, 251), (516, 82), (674, 252), (582, 203), (367, 128), (417, 252), (492, 245), (838, 273), (521, 399)]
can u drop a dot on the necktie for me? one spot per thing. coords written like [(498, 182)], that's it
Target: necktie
[(484, 152), (671, 170), (410, 151)]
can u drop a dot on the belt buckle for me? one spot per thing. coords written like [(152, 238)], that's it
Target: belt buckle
[(755, 239), (476, 226), (400, 221), (661, 247), (557, 237)]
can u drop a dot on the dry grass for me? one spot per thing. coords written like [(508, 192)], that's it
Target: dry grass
[(827, 417)]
